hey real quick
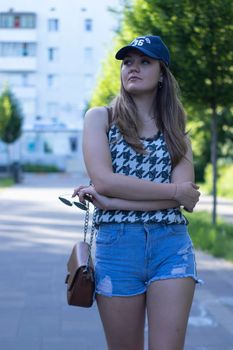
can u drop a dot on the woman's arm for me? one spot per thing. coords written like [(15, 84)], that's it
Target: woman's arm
[(99, 167), (184, 171), (109, 203)]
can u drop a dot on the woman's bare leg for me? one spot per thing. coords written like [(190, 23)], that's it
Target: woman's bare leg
[(168, 306), (123, 319)]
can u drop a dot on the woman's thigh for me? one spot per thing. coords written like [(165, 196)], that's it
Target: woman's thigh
[(120, 260), (168, 306), (123, 319)]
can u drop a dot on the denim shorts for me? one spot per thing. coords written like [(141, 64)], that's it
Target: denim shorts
[(129, 257)]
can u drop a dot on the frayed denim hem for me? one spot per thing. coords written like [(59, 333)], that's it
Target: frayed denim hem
[(197, 281)]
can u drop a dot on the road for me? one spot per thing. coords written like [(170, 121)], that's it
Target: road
[(36, 235), (224, 207)]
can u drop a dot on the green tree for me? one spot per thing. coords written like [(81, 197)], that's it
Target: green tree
[(108, 83), (11, 119), (199, 35)]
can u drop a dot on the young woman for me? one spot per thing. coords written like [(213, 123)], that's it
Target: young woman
[(139, 160)]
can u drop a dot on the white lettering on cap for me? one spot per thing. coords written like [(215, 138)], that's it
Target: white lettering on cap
[(140, 41)]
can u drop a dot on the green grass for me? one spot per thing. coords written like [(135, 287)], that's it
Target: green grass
[(40, 168), (6, 182), (216, 240), (224, 190), (224, 183)]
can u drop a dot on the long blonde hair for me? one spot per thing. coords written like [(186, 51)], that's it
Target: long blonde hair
[(168, 112)]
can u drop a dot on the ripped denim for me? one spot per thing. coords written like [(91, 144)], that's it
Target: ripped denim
[(129, 257)]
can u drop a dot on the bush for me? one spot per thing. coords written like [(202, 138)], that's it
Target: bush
[(40, 168), (225, 181), (6, 182), (216, 240), (224, 184)]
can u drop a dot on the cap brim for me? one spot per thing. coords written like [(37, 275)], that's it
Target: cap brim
[(120, 55)]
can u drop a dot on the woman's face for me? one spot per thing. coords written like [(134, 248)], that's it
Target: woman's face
[(139, 73)]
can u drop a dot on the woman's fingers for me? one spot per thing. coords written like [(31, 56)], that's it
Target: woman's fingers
[(78, 189), (86, 193), (187, 195), (193, 185)]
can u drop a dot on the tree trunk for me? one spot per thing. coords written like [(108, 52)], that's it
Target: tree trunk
[(214, 140), (8, 159)]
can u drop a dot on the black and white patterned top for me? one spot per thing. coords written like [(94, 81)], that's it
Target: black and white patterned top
[(155, 165)]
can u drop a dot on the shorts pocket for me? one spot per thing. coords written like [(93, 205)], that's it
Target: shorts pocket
[(178, 229), (108, 234)]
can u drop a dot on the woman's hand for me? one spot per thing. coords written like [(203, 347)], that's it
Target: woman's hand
[(89, 193), (187, 194)]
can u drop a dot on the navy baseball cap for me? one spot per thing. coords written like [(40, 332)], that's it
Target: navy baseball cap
[(150, 45)]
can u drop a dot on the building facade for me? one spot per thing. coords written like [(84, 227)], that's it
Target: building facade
[(50, 57)]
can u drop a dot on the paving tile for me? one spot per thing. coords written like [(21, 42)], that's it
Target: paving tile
[(36, 237), (80, 319), (17, 343), (9, 321), (80, 342), (40, 322), (214, 338)]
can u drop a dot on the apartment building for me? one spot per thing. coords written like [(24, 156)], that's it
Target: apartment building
[(50, 57)]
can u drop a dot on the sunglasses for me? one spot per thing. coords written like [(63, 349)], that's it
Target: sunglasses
[(78, 204)]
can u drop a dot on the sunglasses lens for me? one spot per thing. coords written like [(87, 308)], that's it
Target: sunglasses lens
[(80, 205), (65, 201)]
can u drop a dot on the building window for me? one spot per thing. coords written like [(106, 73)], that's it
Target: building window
[(16, 22), (73, 141), (31, 146), (52, 110), (88, 25), (28, 106), (20, 20), (27, 79), (53, 25), (28, 21), (88, 81), (52, 80), (88, 54), (25, 49), (12, 49), (53, 54)]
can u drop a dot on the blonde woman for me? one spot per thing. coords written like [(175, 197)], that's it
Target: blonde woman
[(139, 160)]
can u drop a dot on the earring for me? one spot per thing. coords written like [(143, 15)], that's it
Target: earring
[(160, 84)]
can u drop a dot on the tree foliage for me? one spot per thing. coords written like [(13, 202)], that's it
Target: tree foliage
[(11, 117), (108, 83), (199, 35)]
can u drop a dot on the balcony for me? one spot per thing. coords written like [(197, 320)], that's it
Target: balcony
[(18, 64), (18, 35)]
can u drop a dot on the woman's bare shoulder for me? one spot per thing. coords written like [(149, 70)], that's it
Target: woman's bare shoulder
[(97, 116), (101, 112)]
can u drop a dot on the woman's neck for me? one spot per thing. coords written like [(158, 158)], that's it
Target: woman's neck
[(145, 107)]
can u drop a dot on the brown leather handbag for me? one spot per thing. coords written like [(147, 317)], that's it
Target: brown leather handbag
[(80, 278)]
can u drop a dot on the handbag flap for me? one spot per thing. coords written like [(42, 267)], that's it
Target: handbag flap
[(78, 258)]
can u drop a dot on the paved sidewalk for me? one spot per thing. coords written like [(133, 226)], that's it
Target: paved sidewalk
[(224, 207), (36, 235)]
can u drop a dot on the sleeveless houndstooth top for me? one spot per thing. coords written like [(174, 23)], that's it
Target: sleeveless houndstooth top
[(155, 166)]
